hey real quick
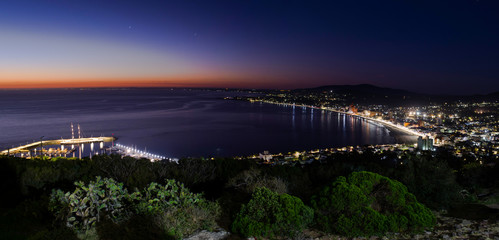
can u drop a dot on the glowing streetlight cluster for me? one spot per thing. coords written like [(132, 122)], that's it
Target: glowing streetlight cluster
[(134, 152)]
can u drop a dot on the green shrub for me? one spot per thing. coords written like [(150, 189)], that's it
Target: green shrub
[(38, 175), (175, 209), (253, 178), (181, 222), (172, 207), (369, 204), (271, 214), (157, 198), (85, 206), (134, 228), (431, 180)]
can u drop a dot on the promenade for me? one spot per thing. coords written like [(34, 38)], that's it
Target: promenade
[(385, 123)]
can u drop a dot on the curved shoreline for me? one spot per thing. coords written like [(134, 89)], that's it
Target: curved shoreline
[(400, 133), (402, 137)]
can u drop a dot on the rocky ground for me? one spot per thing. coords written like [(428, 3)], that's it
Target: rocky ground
[(446, 228), (205, 235)]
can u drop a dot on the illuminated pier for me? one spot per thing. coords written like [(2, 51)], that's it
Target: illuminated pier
[(73, 145), (63, 142), (137, 153)]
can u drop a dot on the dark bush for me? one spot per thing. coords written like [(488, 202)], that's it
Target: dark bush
[(137, 227), (176, 210), (269, 214), (251, 179), (431, 180), (369, 204), (171, 207), (84, 207)]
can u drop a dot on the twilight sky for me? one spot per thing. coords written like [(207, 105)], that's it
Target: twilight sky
[(449, 47)]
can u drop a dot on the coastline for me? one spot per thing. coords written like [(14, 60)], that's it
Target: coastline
[(401, 134), (402, 137)]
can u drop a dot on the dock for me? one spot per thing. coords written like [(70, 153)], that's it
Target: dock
[(63, 142)]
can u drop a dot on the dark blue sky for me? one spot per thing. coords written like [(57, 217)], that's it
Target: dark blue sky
[(423, 46)]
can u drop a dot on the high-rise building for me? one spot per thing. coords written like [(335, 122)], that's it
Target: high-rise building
[(425, 143)]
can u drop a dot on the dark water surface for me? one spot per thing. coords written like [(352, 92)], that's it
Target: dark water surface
[(179, 122)]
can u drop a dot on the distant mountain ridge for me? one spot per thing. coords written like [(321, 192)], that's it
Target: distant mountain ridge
[(362, 88), (367, 93)]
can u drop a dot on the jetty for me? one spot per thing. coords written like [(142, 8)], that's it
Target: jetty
[(63, 142), (68, 146)]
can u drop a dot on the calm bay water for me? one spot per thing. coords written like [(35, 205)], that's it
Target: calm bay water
[(178, 122)]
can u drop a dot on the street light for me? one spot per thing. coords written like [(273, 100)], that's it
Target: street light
[(41, 141)]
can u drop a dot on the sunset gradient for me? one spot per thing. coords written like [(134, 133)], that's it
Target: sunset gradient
[(446, 47)]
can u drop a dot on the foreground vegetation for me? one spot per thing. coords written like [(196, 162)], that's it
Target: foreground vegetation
[(369, 204), (349, 194)]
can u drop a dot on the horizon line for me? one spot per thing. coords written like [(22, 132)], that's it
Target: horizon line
[(221, 87)]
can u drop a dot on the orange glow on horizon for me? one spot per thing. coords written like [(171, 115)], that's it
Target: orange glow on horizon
[(139, 82), (105, 83)]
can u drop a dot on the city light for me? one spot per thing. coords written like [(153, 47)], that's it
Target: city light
[(134, 152)]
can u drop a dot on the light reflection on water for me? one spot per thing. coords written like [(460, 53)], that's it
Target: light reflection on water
[(179, 122)]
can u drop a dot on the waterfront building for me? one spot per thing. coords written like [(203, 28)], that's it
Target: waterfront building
[(425, 143)]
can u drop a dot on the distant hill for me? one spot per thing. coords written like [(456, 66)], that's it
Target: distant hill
[(492, 96), (362, 89), (370, 94)]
